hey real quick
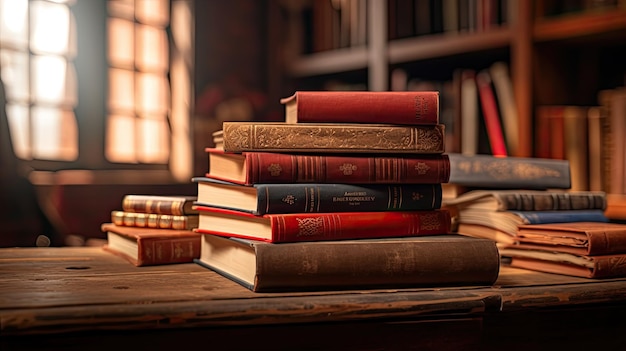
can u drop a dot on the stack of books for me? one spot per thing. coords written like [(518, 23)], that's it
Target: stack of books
[(153, 230), (345, 193)]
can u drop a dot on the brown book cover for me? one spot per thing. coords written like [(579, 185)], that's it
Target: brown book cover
[(172, 205), (600, 266), (331, 137), (298, 227), (270, 167), (391, 107), (582, 238), (441, 260), (152, 246), (529, 200)]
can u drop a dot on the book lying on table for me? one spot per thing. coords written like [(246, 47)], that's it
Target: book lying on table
[(160, 204), (488, 171), (269, 167), (154, 220), (317, 197), (529, 200), (294, 227), (152, 246), (440, 260), (330, 138), (599, 266), (393, 107)]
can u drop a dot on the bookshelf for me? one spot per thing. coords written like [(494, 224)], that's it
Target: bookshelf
[(544, 45)]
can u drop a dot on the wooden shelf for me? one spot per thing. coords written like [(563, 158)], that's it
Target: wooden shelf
[(578, 26), (329, 62)]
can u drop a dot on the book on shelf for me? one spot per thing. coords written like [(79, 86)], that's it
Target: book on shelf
[(502, 226), (491, 114), (597, 267), (261, 199), (503, 87), (439, 260), (154, 220), (270, 167), (330, 137), (528, 200), (391, 107), (470, 113), (152, 246), (509, 172), (160, 204), (294, 227), (581, 238)]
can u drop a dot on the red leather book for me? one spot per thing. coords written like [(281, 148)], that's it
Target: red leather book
[(491, 115), (297, 227), (152, 246), (266, 167), (394, 107)]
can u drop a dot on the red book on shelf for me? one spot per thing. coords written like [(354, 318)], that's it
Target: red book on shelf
[(393, 107), (297, 227), (490, 114), (267, 167)]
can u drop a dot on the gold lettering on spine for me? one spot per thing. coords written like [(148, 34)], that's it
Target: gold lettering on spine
[(347, 168), (422, 168), (274, 169), (310, 226)]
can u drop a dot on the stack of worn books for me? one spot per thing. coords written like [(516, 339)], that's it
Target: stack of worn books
[(344, 194), (154, 229)]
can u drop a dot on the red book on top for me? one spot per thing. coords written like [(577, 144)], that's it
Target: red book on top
[(388, 107), (297, 227)]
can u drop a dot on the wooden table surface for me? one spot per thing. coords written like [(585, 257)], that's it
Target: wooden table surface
[(56, 292)]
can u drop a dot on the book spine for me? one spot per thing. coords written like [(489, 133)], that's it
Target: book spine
[(608, 266), (167, 251), (153, 220), (286, 168), (316, 198), (490, 114), (388, 264), (158, 205), (541, 217), (415, 107), (509, 172), (350, 225), (551, 201), (256, 136)]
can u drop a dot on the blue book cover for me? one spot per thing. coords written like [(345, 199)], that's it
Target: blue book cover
[(541, 217)]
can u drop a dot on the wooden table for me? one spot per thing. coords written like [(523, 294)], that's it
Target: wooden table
[(86, 298)]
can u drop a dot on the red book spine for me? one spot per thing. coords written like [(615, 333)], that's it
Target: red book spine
[(398, 107), (490, 114), (286, 168)]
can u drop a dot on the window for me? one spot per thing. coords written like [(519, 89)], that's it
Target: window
[(99, 84)]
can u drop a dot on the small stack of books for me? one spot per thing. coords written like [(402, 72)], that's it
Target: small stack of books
[(345, 193), (152, 230)]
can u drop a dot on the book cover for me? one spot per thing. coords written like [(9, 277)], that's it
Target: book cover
[(269, 167), (317, 197), (601, 266), (154, 220), (171, 205), (441, 260), (488, 171), (529, 200), (503, 87), (392, 107), (491, 114), (332, 137), (582, 238), (295, 227), (152, 246)]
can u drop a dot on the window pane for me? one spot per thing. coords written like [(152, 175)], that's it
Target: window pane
[(152, 94), (121, 43), (121, 91), (152, 12), (50, 28), (55, 134), (20, 133), (14, 23), (120, 144), (154, 142), (152, 53), (50, 81), (15, 75)]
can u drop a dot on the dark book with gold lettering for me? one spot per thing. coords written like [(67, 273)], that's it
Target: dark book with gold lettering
[(330, 137), (297, 227), (488, 171), (317, 197), (271, 167), (437, 260), (152, 246)]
